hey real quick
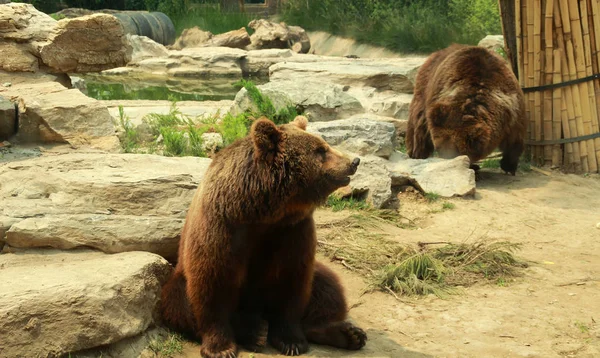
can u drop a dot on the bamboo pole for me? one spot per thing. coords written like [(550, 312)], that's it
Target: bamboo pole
[(569, 130), (519, 42), (579, 47), (594, 86), (550, 154), (572, 71), (537, 71), (530, 69), (559, 116)]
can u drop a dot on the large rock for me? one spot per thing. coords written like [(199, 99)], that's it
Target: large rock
[(8, 119), (49, 112), (236, 38), (53, 303), (143, 47), (397, 76), (22, 23), (372, 181), (383, 103), (87, 44), (191, 37), (357, 135), (445, 177), (17, 58), (494, 43), (272, 35), (111, 202), (318, 101)]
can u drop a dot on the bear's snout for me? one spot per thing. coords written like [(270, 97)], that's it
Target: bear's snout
[(354, 165)]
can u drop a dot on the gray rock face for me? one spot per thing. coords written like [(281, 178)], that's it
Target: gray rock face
[(360, 136), (53, 303), (445, 177), (373, 180), (110, 202), (397, 76), (319, 101)]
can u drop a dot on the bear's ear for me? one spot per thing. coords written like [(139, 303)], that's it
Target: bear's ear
[(267, 139), (438, 114), (300, 122)]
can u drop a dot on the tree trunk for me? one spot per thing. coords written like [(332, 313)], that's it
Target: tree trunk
[(507, 10)]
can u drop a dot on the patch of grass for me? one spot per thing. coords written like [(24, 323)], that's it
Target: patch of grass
[(583, 328), (448, 206), (432, 197), (493, 163), (338, 204), (427, 268), (167, 347), (130, 140), (264, 105)]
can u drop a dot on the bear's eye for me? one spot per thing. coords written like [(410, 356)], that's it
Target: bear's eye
[(321, 150)]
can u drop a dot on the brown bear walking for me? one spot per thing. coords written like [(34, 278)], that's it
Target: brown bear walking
[(247, 251), (467, 101)]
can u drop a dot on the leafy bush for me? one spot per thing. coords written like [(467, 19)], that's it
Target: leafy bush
[(401, 25)]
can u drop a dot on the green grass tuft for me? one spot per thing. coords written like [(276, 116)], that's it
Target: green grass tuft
[(432, 197), (338, 204), (167, 347), (131, 138), (448, 206)]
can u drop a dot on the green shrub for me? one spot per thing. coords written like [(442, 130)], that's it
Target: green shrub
[(401, 25)]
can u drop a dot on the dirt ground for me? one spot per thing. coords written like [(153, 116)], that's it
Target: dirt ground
[(552, 311)]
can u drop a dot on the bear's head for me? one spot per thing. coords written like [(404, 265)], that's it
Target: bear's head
[(303, 163), (454, 133)]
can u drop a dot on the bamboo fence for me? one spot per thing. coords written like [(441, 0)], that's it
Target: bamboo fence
[(557, 42)]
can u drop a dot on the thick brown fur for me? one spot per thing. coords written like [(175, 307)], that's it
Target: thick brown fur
[(246, 271), (467, 101)]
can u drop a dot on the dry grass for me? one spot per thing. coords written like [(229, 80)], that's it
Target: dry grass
[(427, 268)]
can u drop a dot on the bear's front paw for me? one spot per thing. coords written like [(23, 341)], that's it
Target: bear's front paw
[(289, 340), (218, 350)]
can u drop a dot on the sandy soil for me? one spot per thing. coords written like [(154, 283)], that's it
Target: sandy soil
[(552, 311)]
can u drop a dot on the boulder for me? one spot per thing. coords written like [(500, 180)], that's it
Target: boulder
[(357, 135), (372, 181), (111, 202), (86, 44), (144, 47), (397, 76), (383, 103), (51, 113), (445, 177), (318, 101), (53, 303), (23, 23), (272, 35), (17, 58), (235, 38), (205, 62), (8, 119), (211, 142), (494, 43), (191, 37)]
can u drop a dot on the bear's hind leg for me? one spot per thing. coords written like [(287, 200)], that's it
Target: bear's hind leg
[(325, 318), (175, 307)]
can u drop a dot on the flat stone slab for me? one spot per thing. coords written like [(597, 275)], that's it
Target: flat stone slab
[(111, 202), (53, 302)]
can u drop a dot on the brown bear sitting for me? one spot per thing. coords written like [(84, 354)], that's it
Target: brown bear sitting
[(247, 251), (467, 101)]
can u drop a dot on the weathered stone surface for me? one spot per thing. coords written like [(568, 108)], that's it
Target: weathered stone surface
[(399, 124), (23, 23), (52, 303), (49, 112), (357, 135), (112, 202), (444, 177), (373, 181), (144, 47), (236, 38), (319, 101), (494, 43), (87, 44), (277, 35), (211, 142), (383, 103), (191, 37), (397, 76), (16, 58), (8, 119)]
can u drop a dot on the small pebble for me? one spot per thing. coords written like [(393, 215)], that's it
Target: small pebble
[(598, 225), (5, 144), (7, 84)]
